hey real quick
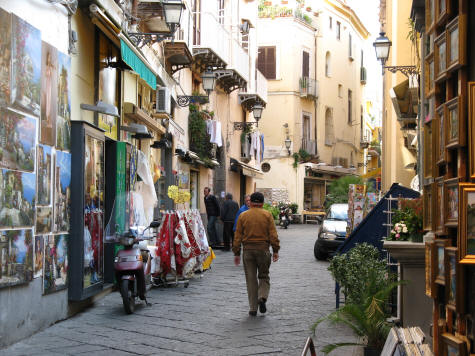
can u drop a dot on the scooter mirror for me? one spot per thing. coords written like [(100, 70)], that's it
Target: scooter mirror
[(154, 224)]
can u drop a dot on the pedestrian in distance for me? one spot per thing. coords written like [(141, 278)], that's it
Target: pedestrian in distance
[(245, 207), (256, 232), (212, 211), (229, 210)]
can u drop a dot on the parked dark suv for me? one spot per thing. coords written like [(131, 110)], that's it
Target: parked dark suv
[(332, 231)]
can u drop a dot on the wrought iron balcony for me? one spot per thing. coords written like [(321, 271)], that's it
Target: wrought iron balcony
[(309, 146), (308, 87)]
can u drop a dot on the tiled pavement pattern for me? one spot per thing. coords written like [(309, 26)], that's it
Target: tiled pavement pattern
[(210, 317)]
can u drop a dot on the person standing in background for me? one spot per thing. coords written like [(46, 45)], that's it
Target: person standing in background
[(212, 211), (245, 207), (228, 214)]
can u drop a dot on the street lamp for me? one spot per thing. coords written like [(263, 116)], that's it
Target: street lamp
[(172, 10), (382, 46), (257, 111), (207, 80), (288, 142)]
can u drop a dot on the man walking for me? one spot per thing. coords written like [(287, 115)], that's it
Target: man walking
[(245, 207), (212, 210), (228, 213), (256, 232)]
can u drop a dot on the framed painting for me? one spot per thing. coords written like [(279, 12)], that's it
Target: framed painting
[(44, 219), (430, 15), (439, 273), (442, 10), (63, 117), (5, 56), (16, 257), (440, 57), (453, 346), (44, 177), (55, 266), (471, 129), (427, 208), (62, 192), (429, 268), (451, 202), (456, 43), (466, 232), (428, 146), (441, 156), (38, 257), (454, 281), (454, 123), (49, 94), (438, 206), (429, 77)]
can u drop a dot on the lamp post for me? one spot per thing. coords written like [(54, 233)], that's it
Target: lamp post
[(256, 112), (288, 143), (207, 80), (172, 10), (382, 46)]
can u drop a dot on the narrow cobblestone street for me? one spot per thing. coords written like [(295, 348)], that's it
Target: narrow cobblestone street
[(210, 317)]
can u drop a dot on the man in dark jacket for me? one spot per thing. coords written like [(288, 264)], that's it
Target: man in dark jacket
[(228, 213), (212, 210)]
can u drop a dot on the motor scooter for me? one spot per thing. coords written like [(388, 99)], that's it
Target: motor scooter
[(285, 216), (132, 267)]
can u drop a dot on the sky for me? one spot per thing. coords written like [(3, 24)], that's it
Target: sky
[(63, 161), (26, 128), (28, 181)]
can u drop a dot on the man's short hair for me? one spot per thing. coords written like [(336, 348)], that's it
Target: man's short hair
[(229, 196), (209, 190), (257, 198)]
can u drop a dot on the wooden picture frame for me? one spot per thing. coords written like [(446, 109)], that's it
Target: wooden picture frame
[(429, 269), (442, 11), (440, 57), (456, 43), (427, 208), (454, 123), (441, 156), (439, 212), (428, 154), (471, 129), (451, 202), (454, 281), (466, 231), (430, 15), (453, 346), (439, 266), (429, 77)]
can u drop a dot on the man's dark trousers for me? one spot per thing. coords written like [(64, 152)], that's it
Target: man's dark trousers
[(228, 234), (212, 234)]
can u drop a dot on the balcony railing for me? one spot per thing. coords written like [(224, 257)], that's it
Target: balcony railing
[(310, 146), (214, 36), (308, 87), (261, 85), (240, 60)]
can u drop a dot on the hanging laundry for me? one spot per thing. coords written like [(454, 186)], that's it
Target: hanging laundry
[(262, 147), (216, 133), (145, 188)]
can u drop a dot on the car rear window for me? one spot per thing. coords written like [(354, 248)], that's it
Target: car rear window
[(339, 212)]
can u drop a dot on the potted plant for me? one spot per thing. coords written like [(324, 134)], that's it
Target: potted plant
[(367, 285), (308, 8), (407, 221)]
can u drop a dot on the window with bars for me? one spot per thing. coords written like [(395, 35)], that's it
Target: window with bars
[(266, 62)]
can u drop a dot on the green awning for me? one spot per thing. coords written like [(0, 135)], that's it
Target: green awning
[(129, 57)]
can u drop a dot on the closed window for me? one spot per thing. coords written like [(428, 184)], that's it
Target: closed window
[(305, 64), (266, 62), (329, 135), (350, 46), (350, 106), (338, 30), (340, 89), (330, 22), (327, 64)]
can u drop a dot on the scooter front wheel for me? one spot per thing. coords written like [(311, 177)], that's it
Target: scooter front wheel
[(127, 296)]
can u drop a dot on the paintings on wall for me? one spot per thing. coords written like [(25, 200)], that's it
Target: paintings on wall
[(44, 219), (44, 166), (49, 93), (62, 193), (17, 199), (26, 66), (466, 234), (5, 56), (17, 141), (16, 257), (39, 256), (63, 120), (55, 266)]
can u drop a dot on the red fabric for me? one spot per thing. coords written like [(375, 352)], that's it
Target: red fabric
[(195, 248), (164, 248)]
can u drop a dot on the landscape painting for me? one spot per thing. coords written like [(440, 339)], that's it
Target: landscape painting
[(39, 251), (16, 257), (470, 223), (5, 56), (44, 166), (49, 93), (55, 267), (63, 119), (17, 141), (17, 199), (44, 220), (62, 192), (26, 66)]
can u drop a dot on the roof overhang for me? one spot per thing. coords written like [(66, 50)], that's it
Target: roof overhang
[(206, 57), (333, 170), (177, 55), (230, 80), (133, 112), (247, 170), (404, 97), (248, 101)]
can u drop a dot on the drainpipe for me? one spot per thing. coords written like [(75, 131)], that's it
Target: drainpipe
[(315, 102)]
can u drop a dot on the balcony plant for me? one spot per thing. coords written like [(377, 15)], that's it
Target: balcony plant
[(199, 137), (367, 285), (407, 221)]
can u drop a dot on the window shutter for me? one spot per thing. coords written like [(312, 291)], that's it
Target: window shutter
[(266, 61), (305, 64), (261, 60)]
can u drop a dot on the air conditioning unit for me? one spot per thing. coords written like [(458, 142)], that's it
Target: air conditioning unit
[(163, 100)]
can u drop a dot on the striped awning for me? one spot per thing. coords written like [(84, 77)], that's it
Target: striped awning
[(129, 57)]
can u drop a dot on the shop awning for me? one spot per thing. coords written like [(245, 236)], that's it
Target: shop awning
[(332, 170), (404, 97), (129, 57), (247, 170)]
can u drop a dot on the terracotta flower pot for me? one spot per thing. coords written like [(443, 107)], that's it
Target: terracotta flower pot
[(309, 9), (284, 2)]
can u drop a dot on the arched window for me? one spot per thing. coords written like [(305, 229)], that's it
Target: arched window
[(329, 135), (327, 64)]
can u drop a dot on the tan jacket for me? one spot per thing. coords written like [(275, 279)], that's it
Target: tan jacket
[(256, 231)]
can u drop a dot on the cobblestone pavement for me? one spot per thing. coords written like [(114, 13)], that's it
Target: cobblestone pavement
[(210, 317)]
